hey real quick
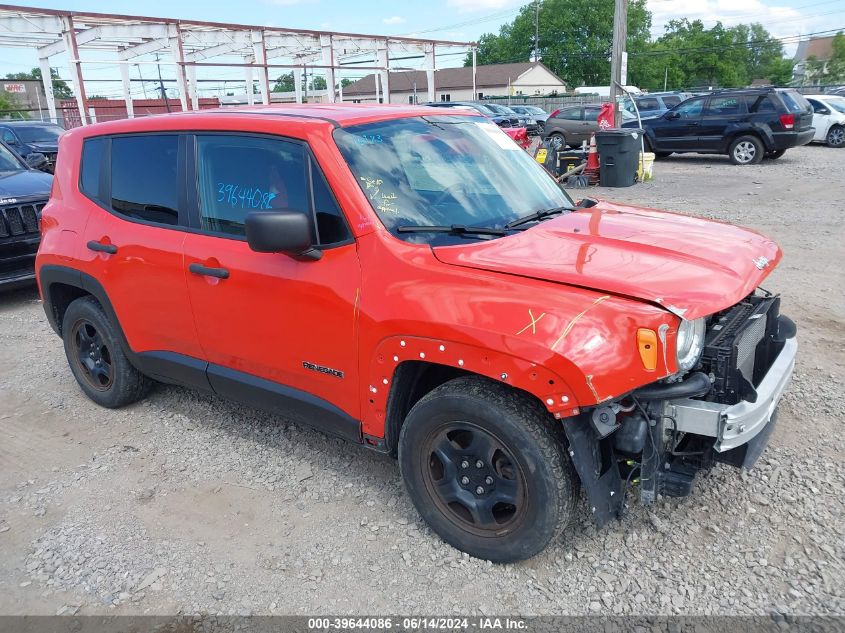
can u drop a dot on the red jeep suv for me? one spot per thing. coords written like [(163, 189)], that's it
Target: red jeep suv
[(408, 279)]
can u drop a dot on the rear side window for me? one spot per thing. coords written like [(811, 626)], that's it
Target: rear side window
[(759, 104), (571, 114), (144, 177), (648, 104), (794, 101), (93, 152)]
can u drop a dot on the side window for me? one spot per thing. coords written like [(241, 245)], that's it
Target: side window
[(591, 113), (690, 109), (760, 104), (331, 225), (671, 101), (8, 137), (93, 151), (648, 104), (144, 177), (239, 174), (818, 106), (571, 114), (725, 106)]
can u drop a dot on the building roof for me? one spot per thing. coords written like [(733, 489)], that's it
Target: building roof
[(447, 78), (818, 47)]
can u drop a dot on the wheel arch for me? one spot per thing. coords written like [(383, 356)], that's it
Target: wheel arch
[(763, 133), (404, 369)]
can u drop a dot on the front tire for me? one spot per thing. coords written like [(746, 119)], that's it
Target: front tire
[(746, 150), (96, 357), (485, 467), (836, 136)]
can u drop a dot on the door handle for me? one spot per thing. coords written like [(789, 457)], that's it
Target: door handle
[(200, 269), (94, 245)]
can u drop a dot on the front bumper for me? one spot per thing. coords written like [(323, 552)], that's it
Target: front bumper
[(736, 424)]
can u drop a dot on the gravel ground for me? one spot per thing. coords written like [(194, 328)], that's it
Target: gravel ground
[(185, 503)]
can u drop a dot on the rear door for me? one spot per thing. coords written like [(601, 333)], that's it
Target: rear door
[(132, 244), (269, 323), (590, 124), (720, 112)]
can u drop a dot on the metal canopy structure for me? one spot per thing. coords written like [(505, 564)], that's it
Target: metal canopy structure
[(195, 44)]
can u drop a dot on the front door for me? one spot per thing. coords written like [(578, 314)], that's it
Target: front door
[(678, 129), (273, 327)]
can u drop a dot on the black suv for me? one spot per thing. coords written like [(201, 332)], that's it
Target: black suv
[(747, 125), (33, 137), (23, 194)]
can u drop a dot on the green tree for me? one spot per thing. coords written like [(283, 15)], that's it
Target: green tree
[(8, 107), (346, 82), (285, 83), (575, 38), (60, 88), (831, 70), (318, 83)]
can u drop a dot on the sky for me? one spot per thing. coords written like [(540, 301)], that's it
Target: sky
[(460, 20)]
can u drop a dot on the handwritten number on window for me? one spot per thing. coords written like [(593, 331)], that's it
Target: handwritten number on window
[(244, 198)]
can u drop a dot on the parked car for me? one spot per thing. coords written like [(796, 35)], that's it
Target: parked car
[(23, 194), (521, 120), (572, 125), (828, 119), (33, 137), (532, 112), (422, 289), (508, 122), (502, 120), (747, 125), (654, 104)]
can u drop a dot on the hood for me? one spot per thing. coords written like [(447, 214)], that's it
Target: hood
[(690, 266), (25, 184), (44, 147)]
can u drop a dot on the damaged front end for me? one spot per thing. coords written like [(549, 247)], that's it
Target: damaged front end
[(722, 410)]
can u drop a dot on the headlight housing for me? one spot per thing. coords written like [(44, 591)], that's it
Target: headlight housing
[(690, 343)]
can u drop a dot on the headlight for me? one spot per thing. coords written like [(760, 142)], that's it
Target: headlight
[(690, 343)]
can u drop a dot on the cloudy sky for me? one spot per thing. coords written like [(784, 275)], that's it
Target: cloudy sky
[(462, 20)]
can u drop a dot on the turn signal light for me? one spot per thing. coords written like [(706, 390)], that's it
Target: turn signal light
[(647, 345)]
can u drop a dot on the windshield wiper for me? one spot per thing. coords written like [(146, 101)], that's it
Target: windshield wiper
[(454, 229), (537, 216)]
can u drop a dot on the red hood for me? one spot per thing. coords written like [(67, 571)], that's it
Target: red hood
[(693, 267)]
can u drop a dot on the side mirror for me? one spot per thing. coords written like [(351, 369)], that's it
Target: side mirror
[(282, 231), (671, 115), (823, 111), (13, 142), (35, 160)]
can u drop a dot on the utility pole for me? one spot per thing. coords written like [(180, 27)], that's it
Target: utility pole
[(620, 35), (161, 86), (536, 30)]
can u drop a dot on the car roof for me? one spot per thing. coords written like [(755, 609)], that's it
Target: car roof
[(335, 114), (30, 124)]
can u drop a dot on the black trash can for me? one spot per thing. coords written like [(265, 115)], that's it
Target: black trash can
[(619, 152), (569, 159)]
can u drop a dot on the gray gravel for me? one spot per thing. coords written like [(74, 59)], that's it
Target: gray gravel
[(185, 503)]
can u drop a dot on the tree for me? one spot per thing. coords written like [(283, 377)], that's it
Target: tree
[(285, 83), (575, 38), (346, 82), (318, 83), (9, 107), (831, 70), (60, 88)]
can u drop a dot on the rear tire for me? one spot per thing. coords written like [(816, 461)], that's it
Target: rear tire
[(485, 467), (746, 150), (774, 154), (836, 136), (96, 357), (556, 140)]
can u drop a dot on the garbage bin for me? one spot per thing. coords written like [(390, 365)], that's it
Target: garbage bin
[(619, 153)]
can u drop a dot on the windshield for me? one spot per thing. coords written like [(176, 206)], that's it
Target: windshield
[(500, 109), (39, 133), (8, 161), (837, 103), (445, 170)]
